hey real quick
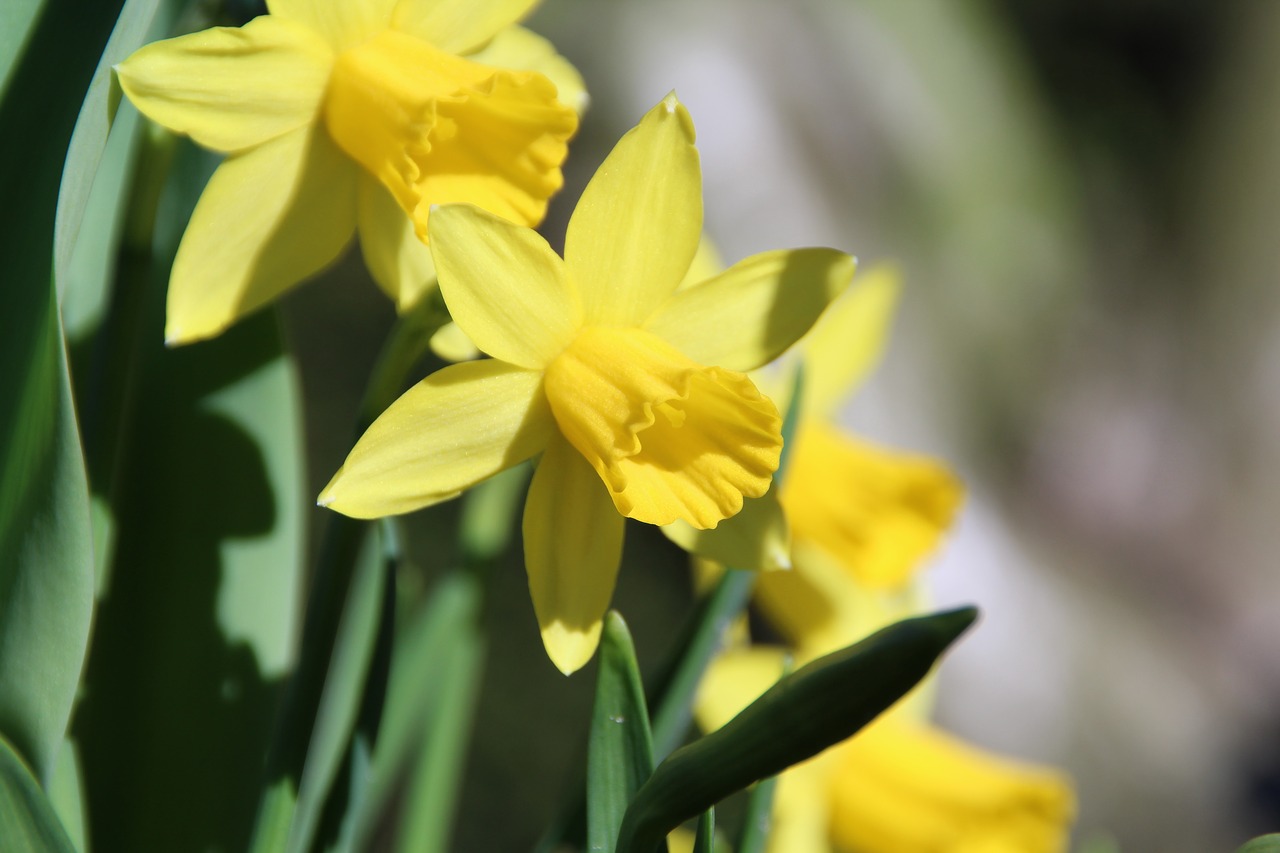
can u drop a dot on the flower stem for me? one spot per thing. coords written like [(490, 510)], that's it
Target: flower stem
[(335, 566)]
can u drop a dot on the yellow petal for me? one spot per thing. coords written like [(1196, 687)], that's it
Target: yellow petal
[(458, 426), (342, 23), (900, 786), (268, 218), (452, 344), (749, 314), (505, 287), (636, 228), (670, 438), (733, 681), (231, 88), (756, 538), (518, 49), (398, 261), (438, 129), (572, 548), (707, 263), (459, 26), (846, 343), (879, 511)]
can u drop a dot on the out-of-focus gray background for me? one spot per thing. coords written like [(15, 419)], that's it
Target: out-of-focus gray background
[(1085, 199)]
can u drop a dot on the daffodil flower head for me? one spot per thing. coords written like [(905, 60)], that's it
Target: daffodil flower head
[(633, 391), (345, 116)]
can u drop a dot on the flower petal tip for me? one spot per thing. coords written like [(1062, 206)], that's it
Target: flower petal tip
[(570, 649), (671, 102)]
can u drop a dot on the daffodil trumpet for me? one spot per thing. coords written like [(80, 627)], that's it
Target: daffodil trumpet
[(346, 117), (631, 388)]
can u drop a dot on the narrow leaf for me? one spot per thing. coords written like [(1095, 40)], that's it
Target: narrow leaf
[(758, 820), (620, 751), (28, 819), (705, 835), (815, 707), (343, 692)]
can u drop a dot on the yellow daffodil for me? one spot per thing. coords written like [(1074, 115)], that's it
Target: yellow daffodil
[(349, 116), (630, 388), (863, 518)]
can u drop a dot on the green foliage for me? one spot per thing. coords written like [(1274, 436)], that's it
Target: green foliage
[(620, 754), (30, 825), (46, 560), (1262, 844), (815, 707)]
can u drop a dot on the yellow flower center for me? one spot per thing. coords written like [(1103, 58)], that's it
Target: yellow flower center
[(435, 128), (672, 439)]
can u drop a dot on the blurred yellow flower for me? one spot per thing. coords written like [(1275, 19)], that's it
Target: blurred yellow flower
[(863, 519), (601, 365), (345, 116)]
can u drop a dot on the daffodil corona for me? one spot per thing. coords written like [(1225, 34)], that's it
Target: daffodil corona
[(346, 116), (632, 390)]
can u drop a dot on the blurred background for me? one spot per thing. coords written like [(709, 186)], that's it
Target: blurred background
[(1085, 199)]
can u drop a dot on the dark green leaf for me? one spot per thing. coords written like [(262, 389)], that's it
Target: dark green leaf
[(620, 753), (26, 816), (196, 625), (46, 558), (815, 707), (758, 820)]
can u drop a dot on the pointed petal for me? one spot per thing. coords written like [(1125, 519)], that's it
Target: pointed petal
[(847, 343), (636, 228), (342, 23), (398, 261), (459, 26), (504, 285), (757, 538), (268, 218), (519, 49), (749, 314), (572, 548), (458, 426), (231, 88)]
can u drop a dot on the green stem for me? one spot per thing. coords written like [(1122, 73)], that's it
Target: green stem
[(335, 566)]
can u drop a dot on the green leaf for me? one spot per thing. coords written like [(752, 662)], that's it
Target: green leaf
[(815, 707), (195, 628), (46, 559), (28, 819), (620, 750), (344, 689), (433, 787), (139, 21), (704, 839), (758, 820), (423, 655), (1262, 844)]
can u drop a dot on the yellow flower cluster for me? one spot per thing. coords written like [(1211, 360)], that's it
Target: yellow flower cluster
[(436, 130)]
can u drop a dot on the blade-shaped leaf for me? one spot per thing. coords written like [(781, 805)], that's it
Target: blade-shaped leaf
[(620, 752), (815, 707), (196, 623), (344, 689), (46, 559), (29, 822), (758, 819)]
